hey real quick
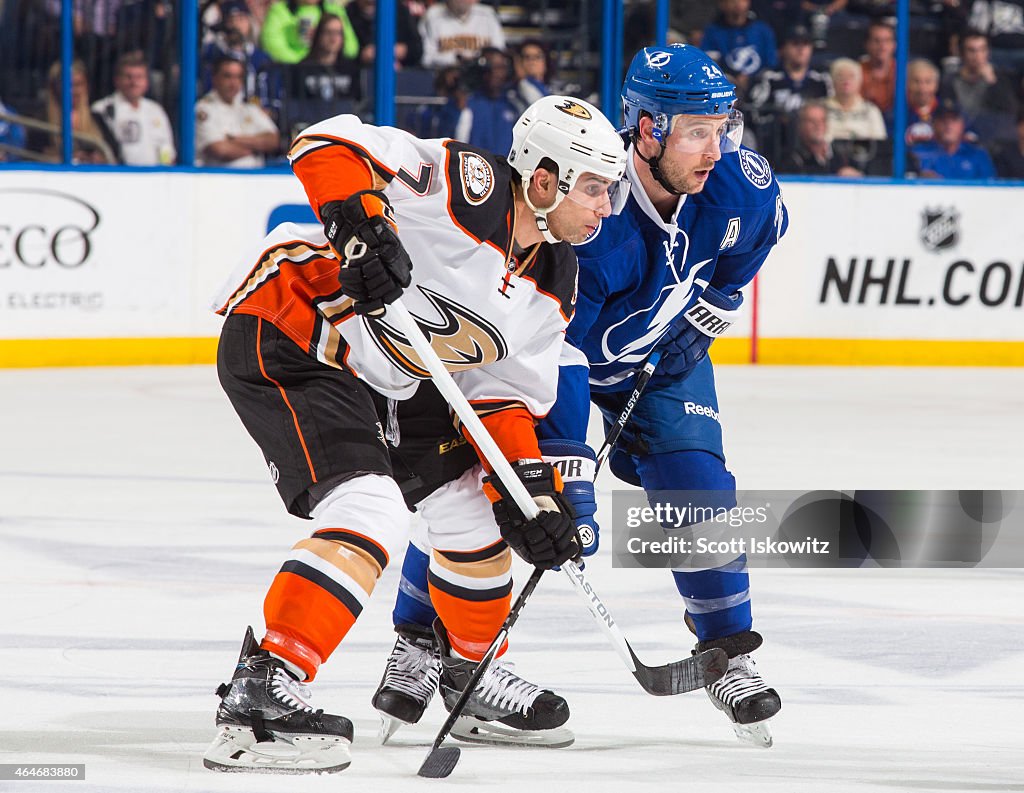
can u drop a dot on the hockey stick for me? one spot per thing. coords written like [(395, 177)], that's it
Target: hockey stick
[(675, 678), (440, 760), (620, 423)]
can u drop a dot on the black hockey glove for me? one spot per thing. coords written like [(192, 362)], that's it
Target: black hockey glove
[(375, 266), (551, 538)]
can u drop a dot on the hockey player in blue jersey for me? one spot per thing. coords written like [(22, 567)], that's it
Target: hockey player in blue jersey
[(665, 274)]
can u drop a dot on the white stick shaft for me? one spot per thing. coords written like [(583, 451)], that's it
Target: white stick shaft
[(403, 320)]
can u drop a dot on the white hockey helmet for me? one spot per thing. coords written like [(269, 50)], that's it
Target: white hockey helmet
[(577, 137)]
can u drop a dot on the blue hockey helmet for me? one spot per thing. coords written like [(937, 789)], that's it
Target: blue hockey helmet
[(673, 80)]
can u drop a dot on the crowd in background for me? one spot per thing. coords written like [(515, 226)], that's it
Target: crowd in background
[(816, 78)]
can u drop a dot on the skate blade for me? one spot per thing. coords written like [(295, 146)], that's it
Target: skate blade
[(757, 734), (496, 734), (235, 749), (389, 725)]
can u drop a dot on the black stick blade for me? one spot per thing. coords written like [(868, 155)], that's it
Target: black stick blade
[(440, 762), (680, 677)]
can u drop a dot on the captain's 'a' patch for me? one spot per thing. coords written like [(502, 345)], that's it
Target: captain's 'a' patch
[(731, 234), (477, 177)]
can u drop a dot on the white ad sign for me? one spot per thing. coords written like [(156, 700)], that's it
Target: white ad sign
[(897, 262)]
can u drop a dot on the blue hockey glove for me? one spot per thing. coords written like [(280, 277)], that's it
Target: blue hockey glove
[(577, 464), (687, 342)]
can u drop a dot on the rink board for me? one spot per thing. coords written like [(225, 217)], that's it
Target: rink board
[(119, 268)]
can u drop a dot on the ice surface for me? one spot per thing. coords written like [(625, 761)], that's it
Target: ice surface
[(139, 530)]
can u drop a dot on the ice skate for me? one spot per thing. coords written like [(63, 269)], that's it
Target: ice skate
[(505, 709), (268, 726), (410, 679), (741, 693)]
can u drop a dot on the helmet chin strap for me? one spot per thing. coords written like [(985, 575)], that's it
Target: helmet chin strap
[(654, 163), (541, 215)]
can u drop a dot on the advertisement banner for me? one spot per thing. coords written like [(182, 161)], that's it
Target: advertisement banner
[(897, 262), (114, 255)]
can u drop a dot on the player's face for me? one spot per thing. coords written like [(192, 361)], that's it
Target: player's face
[(691, 151), (581, 212)]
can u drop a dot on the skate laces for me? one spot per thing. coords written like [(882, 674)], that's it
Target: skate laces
[(505, 689), (412, 670), (740, 680), (291, 692)]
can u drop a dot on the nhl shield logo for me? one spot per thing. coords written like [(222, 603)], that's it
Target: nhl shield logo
[(940, 228)]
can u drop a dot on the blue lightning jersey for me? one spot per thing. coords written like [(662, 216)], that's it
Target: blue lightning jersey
[(638, 274)]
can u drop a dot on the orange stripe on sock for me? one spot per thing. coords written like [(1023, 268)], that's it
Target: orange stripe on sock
[(306, 614), (284, 396), (472, 625)]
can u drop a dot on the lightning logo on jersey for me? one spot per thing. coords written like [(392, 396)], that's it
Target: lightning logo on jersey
[(628, 340)]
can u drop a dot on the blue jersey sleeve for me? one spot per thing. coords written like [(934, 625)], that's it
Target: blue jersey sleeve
[(737, 267), (570, 415)]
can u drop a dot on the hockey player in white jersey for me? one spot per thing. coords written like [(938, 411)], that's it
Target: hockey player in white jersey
[(473, 245)]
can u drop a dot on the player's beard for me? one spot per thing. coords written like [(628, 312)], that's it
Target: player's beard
[(683, 178)]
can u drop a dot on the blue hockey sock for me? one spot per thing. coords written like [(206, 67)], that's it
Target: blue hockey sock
[(717, 600), (412, 606)]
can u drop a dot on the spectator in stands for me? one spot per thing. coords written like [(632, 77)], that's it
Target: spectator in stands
[(408, 44), (288, 29), (778, 93), (489, 115), (326, 74), (740, 43), (947, 156), (431, 120), (456, 31), (532, 64), (235, 38), (1009, 160), (878, 66), (140, 126), (819, 16), (230, 132), (12, 136), (94, 23), (781, 15), (812, 154), (92, 143), (850, 115), (922, 99), (147, 27), (1003, 22), (986, 97)]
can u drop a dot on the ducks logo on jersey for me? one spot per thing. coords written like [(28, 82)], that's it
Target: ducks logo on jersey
[(461, 338)]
